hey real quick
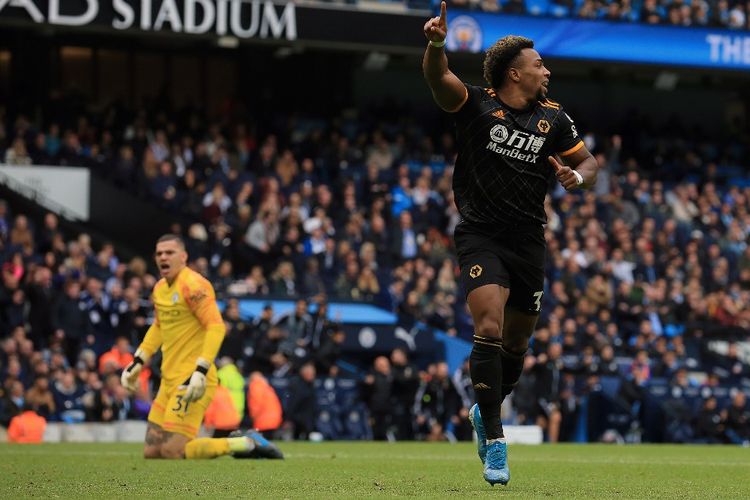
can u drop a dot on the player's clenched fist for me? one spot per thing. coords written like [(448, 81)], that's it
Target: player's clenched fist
[(436, 29), (569, 178)]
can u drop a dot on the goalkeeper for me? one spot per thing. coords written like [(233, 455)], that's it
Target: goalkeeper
[(189, 329)]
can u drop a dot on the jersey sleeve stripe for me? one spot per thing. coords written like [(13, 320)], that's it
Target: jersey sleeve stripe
[(463, 101), (572, 150)]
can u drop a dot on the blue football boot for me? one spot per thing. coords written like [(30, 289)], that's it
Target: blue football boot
[(476, 421), (263, 447), (496, 467)]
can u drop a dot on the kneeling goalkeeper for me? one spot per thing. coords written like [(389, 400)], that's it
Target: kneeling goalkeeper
[(189, 329)]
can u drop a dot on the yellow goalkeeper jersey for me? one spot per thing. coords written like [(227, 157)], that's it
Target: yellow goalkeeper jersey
[(187, 326)]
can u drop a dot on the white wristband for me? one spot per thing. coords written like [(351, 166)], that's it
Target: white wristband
[(437, 45), (579, 177), (140, 353)]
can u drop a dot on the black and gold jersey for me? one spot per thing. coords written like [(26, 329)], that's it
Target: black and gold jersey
[(502, 172)]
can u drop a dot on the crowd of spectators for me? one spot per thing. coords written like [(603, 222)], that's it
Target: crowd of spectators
[(646, 266), (733, 14)]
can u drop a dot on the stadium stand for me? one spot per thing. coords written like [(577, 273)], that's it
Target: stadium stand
[(325, 222), (695, 13), (648, 277)]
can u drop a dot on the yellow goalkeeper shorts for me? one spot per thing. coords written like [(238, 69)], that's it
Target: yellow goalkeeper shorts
[(170, 412)]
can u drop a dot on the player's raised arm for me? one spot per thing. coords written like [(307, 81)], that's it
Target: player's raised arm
[(449, 92)]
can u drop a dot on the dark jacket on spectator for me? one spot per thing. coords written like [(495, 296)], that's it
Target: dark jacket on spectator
[(302, 406)]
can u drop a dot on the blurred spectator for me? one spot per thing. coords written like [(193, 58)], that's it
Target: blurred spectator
[(548, 380), (266, 357), (377, 392), (231, 378), (40, 296), (117, 358), (298, 327), (17, 155), (329, 352), (263, 405), (12, 401), (221, 415), (404, 238), (301, 409), (738, 420), (68, 396), (405, 385), (709, 426), (28, 427), (262, 236), (437, 402), (40, 399), (733, 368)]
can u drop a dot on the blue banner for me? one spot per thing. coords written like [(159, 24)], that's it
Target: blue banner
[(603, 40), (341, 312)]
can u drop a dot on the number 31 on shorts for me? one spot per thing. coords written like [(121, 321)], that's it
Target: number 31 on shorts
[(538, 300), (181, 404)]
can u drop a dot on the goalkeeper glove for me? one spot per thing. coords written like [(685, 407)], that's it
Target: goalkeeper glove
[(196, 384), (129, 377)]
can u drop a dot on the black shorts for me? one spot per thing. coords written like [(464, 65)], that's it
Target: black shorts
[(514, 260)]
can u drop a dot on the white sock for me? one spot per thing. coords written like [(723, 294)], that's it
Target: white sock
[(497, 440)]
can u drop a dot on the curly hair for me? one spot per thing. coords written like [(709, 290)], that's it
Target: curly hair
[(501, 55)]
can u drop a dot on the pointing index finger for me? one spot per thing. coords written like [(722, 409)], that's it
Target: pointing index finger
[(442, 12)]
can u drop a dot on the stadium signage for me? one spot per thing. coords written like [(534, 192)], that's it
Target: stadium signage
[(240, 18), (729, 49), (606, 41)]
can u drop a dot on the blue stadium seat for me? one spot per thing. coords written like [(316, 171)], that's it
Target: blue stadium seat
[(610, 386), (357, 425), (281, 386), (329, 426)]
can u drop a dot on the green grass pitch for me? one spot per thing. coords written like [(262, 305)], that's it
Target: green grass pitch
[(357, 470)]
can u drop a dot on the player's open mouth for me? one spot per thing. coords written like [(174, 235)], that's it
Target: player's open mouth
[(164, 267), (545, 84)]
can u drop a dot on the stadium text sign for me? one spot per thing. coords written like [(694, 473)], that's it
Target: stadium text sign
[(729, 49), (241, 18), (603, 40)]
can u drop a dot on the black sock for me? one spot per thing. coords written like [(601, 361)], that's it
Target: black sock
[(486, 367), (512, 369)]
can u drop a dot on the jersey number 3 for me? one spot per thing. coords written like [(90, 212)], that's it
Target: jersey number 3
[(538, 301)]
